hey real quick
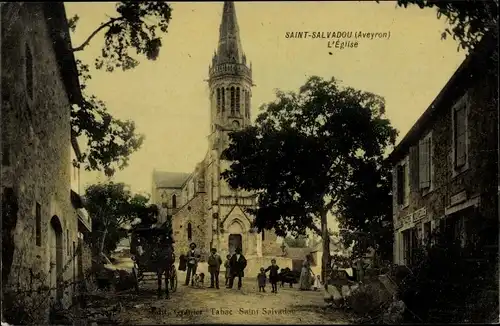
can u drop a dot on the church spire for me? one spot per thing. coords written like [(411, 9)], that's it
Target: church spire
[(229, 49)]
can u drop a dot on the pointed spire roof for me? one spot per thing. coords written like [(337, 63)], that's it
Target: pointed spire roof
[(229, 49)]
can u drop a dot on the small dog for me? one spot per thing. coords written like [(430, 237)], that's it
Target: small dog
[(198, 280)]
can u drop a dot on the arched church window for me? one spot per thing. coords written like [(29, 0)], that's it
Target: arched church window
[(237, 99), (223, 99), (190, 232), (174, 201), (247, 104), (232, 100), (263, 235), (218, 100)]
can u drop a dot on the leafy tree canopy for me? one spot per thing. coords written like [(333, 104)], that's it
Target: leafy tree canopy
[(469, 20), (111, 205), (302, 154), (366, 210), (135, 26)]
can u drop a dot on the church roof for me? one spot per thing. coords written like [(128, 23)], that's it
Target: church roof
[(229, 49), (163, 179)]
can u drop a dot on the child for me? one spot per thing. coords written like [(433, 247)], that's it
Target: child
[(226, 265), (317, 283), (261, 278), (273, 275)]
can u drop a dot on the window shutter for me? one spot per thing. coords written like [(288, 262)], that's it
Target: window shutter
[(425, 163), (414, 167), (407, 182), (422, 162), (429, 161), (400, 184)]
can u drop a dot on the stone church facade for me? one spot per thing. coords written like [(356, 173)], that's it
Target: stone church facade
[(204, 209)]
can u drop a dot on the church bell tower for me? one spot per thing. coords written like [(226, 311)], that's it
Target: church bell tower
[(230, 88), (230, 79)]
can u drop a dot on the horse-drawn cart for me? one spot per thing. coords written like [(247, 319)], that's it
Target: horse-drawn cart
[(153, 253)]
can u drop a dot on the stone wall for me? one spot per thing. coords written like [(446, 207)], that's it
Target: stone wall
[(270, 246), (480, 177), (36, 139), (194, 213)]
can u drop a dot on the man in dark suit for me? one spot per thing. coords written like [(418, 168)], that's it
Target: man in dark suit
[(237, 265), (214, 262), (192, 259)]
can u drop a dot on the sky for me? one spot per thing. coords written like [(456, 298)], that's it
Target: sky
[(168, 98)]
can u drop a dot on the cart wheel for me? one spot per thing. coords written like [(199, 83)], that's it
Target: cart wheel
[(134, 274), (173, 280)]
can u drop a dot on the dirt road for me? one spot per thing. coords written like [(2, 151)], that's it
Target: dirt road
[(245, 306)]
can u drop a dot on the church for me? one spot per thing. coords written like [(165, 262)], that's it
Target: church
[(203, 207)]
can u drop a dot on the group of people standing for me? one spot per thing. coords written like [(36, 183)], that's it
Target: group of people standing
[(235, 268), (234, 265)]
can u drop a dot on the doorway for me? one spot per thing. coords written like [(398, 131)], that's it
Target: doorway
[(235, 241), (56, 258)]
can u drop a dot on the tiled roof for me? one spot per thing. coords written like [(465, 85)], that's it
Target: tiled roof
[(169, 179)]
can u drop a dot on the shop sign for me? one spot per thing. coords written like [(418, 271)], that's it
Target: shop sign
[(458, 198), (420, 214), (407, 219)]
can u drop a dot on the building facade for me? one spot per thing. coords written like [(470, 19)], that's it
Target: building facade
[(445, 168), (205, 209), (39, 85)]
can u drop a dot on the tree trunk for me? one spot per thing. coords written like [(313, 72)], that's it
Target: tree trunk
[(326, 248), (101, 247)]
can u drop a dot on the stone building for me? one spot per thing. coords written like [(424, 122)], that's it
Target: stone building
[(445, 168), (205, 209), (39, 85), (83, 260)]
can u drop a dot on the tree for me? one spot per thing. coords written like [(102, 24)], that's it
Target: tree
[(301, 154), (110, 206), (371, 186), (111, 141), (469, 20)]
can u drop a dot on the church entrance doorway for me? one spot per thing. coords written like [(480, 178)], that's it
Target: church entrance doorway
[(235, 241)]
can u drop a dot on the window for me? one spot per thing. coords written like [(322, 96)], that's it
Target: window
[(218, 100), (38, 225), (427, 232), (409, 244), (223, 99), (232, 99), (29, 71), (237, 99), (247, 103), (401, 183), (174, 201), (67, 242), (460, 134), (263, 235), (425, 162), (190, 232), (5, 154)]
